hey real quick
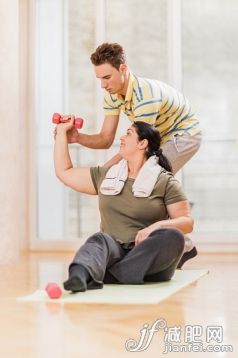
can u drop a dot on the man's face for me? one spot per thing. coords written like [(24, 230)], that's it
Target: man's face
[(112, 80)]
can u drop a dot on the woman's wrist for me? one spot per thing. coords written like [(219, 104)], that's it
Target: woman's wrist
[(61, 133), (154, 227)]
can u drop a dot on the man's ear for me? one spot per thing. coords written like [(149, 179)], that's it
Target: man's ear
[(123, 68)]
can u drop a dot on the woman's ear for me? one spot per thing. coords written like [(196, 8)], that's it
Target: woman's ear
[(143, 144)]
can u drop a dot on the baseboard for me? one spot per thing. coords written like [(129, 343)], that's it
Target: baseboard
[(229, 248)]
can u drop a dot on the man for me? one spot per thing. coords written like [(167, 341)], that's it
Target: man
[(144, 100)]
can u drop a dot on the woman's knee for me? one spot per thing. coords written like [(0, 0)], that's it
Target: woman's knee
[(169, 234), (178, 237), (104, 241)]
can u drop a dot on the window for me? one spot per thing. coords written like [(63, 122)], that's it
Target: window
[(210, 80), (65, 82)]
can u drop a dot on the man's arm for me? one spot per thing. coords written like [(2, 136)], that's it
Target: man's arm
[(102, 140), (114, 160)]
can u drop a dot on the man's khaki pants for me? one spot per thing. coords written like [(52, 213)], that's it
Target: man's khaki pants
[(179, 149)]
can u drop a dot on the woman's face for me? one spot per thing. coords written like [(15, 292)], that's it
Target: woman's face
[(130, 143)]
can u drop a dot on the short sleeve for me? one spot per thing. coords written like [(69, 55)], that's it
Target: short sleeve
[(110, 106), (97, 175), (173, 192)]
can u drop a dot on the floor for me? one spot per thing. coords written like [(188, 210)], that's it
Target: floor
[(42, 330)]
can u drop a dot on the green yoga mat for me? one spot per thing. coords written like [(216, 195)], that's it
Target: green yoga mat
[(149, 293)]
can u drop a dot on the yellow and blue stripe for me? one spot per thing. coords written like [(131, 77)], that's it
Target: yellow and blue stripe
[(156, 103)]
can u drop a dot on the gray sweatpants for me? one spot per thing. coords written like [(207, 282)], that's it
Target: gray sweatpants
[(154, 259)]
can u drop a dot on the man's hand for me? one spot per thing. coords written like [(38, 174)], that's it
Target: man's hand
[(72, 135)]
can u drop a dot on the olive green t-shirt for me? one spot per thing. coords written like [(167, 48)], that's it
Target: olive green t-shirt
[(123, 215)]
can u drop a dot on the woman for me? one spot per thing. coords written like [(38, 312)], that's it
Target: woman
[(144, 213)]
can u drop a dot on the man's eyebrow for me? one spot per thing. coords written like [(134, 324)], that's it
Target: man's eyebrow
[(104, 76)]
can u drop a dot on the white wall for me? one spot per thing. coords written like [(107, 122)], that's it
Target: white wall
[(10, 154)]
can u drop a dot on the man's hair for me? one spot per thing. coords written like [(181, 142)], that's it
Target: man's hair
[(111, 53)]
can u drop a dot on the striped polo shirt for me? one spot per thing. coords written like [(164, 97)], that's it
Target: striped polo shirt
[(156, 103)]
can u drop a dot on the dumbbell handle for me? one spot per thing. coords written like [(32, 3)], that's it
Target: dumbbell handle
[(58, 118)]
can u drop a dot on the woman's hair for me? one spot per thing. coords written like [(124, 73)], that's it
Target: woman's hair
[(149, 132), (112, 53)]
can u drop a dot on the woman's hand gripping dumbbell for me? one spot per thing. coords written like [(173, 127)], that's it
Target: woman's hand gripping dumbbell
[(73, 134)]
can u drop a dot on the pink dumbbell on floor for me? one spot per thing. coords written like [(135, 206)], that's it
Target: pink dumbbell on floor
[(53, 290), (57, 118)]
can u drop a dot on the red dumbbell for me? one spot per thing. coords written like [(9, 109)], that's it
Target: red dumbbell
[(57, 118), (53, 290)]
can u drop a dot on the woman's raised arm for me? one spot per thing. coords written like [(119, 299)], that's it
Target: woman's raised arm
[(78, 179)]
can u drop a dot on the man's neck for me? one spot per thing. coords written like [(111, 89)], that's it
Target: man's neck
[(125, 86)]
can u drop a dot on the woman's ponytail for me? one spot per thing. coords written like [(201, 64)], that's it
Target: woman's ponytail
[(163, 161), (149, 132)]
